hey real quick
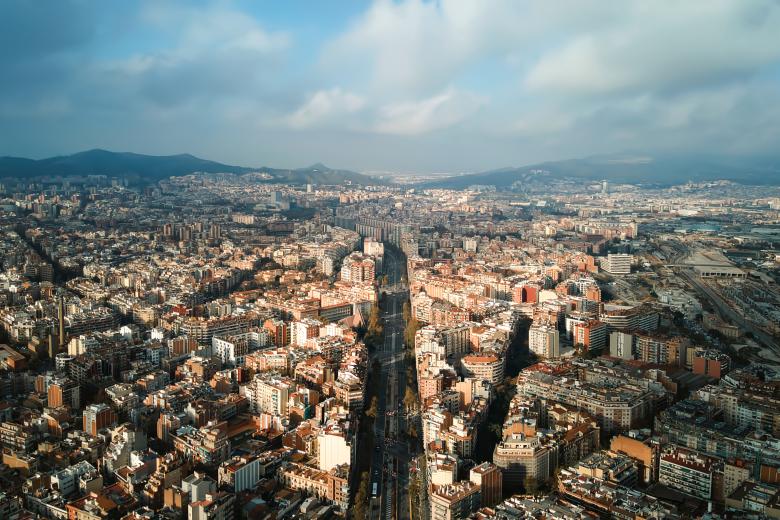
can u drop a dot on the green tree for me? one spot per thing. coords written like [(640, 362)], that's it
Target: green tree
[(531, 485), (374, 323), (372, 410), (361, 498), (410, 399), (497, 430), (412, 326), (407, 311)]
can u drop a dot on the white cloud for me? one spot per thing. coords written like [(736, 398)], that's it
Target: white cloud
[(213, 59), (440, 111), (214, 28), (325, 106), (654, 47), (562, 78), (414, 45)]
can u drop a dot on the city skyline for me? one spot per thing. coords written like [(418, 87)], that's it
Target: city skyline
[(389, 260)]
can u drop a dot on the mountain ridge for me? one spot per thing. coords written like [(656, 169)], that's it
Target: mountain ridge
[(631, 169), (152, 168)]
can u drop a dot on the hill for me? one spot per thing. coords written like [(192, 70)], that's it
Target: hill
[(633, 169), (151, 168)]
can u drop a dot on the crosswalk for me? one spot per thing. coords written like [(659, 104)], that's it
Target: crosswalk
[(388, 504)]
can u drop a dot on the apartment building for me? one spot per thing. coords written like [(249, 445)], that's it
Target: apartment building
[(487, 367), (455, 501), (617, 264), (520, 456), (544, 341), (691, 473)]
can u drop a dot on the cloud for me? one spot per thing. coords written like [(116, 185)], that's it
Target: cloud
[(654, 47), (34, 30), (440, 111), (476, 84), (337, 108), (217, 53), (219, 27), (325, 106), (414, 46)]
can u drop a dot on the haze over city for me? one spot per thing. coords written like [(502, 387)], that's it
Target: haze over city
[(389, 260)]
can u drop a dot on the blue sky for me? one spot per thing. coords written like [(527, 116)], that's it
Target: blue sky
[(410, 86)]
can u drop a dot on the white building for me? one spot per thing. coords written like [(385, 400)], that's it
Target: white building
[(617, 264), (198, 485), (334, 449), (544, 341), (268, 395), (73, 478), (621, 345), (232, 350), (486, 367), (301, 331), (241, 473)]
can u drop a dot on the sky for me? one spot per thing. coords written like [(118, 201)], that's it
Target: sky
[(406, 86)]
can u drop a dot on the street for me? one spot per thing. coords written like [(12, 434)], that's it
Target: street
[(390, 457)]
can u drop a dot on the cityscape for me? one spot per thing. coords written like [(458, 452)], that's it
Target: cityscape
[(573, 339)]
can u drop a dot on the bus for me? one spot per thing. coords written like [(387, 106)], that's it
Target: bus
[(375, 491)]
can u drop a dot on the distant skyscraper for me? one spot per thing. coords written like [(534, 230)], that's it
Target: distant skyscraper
[(61, 322), (604, 187), (215, 231)]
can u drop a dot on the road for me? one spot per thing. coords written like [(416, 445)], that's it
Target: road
[(390, 458)]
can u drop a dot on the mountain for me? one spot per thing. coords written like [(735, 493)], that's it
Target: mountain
[(633, 169), (321, 174), (151, 168), (113, 164)]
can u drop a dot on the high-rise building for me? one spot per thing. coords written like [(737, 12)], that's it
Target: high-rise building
[(544, 341), (357, 268), (487, 367), (61, 324), (711, 362), (489, 478), (198, 485), (215, 231), (215, 506), (662, 350), (98, 416), (269, 395), (334, 448), (619, 263), (521, 457), (690, 472), (240, 473), (592, 335), (64, 391), (621, 345)]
